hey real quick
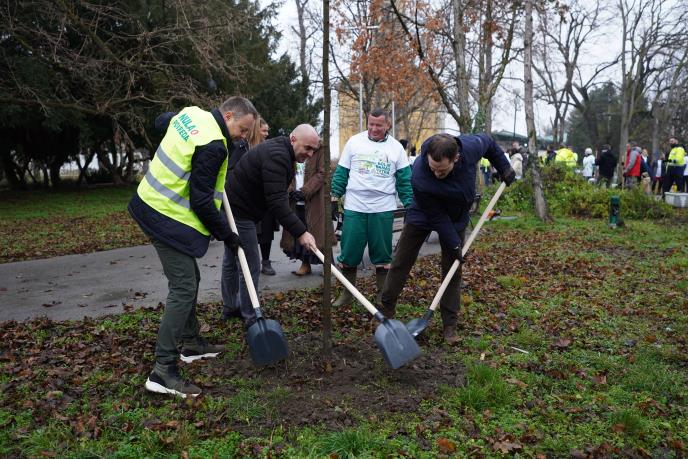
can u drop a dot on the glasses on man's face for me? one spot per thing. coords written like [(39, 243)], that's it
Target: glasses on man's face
[(310, 148)]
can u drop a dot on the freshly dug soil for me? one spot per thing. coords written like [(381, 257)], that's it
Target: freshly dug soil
[(354, 384)]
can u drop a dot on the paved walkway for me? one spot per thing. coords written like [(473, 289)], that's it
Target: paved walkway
[(96, 284)]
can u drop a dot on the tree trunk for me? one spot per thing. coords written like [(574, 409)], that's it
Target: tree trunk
[(11, 170), (55, 178), (538, 194), (327, 272)]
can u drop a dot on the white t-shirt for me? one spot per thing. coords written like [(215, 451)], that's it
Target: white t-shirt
[(588, 166), (372, 165)]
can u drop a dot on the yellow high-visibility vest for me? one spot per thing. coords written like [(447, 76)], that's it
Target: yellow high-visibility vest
[(166, 185), (677, 156), (566, 156)]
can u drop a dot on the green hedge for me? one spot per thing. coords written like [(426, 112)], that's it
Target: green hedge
[(569, 194)]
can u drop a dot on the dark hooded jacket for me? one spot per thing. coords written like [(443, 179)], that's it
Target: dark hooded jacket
[(442, 205), (258, 184)]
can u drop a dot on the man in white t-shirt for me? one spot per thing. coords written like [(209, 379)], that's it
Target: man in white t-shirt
[(372, 169)]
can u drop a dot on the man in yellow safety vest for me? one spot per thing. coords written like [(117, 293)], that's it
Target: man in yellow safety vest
[(177, 204), (676, 163)]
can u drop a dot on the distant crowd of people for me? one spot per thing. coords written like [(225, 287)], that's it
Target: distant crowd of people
[(655, 174)]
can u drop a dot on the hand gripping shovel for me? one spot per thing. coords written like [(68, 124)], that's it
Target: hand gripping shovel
[(395, 342), (265, 338), (417, 326)]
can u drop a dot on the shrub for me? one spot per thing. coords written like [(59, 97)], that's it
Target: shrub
[(568, 194)]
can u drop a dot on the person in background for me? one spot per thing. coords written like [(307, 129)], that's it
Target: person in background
[(631, 172), (517, 162), (412, 154), (307, 195), (485, 170), (267, 227), (177, 205), (657, 171), (551, 154), (567, 157), (588, 165), (676, 164), (606, 163)]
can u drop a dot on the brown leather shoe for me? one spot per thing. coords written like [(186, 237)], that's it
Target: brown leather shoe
[(450, 336), (303, 270)]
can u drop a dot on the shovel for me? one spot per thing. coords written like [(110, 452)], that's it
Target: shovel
[(395, 342), (417, 326), (265, 338)]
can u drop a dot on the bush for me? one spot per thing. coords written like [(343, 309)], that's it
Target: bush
[(568, 194)]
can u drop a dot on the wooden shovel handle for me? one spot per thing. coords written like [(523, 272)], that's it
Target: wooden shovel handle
[(242, 256), (363, 300), (466, 246)]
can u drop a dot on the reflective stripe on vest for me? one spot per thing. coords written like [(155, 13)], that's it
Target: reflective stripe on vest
[(166, 185), (677, 157)]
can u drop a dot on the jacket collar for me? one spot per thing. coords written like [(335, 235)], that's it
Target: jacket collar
[(223, 127)]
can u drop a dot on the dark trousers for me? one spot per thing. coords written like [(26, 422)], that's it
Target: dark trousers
[(178, 323), (405, 255), (232, 282), (674, 175)]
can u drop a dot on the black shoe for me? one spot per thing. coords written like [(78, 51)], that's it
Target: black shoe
[(267, 268), (165, 379), (199, 350), (229, 313)]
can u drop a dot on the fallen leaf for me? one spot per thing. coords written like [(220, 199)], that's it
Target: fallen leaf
[(517, 382), (446, 446), (562, 343), (507, 446)]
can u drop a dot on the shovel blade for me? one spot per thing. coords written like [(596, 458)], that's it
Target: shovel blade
[(266, 342), (396, 343), (418, 326)]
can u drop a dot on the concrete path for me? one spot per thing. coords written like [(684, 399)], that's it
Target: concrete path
[(96, 284)]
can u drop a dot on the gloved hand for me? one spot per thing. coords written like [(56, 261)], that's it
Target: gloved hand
[(509, 176), (233, 242), (296, 196), (456, 254)]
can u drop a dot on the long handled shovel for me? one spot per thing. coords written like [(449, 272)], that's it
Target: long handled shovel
[(265, 338), (417, 326), (395, 342)]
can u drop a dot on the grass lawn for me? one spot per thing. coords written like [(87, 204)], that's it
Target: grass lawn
[(42, 224), (573, 345)]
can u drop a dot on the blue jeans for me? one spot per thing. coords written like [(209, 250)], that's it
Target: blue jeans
[(232, 283)]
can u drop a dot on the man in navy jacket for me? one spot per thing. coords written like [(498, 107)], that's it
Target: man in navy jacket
[(443, 184)]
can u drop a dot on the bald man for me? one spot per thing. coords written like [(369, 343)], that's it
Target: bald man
[(256, 184)]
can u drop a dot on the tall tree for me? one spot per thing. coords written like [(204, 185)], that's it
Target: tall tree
[(327, 265), (528, 35), (448, 46), (647, 29)]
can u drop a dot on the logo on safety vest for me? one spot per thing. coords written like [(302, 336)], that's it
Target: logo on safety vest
[(185, 126)]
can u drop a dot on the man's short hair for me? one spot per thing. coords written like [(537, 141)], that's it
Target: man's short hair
[(378, 112), (443, 146), (239, 106)]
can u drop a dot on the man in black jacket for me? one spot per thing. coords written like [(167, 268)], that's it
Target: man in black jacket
[(607, 164), (256, 185), (177, 205)]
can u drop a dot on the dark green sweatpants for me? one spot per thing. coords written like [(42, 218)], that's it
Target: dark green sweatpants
[(178, 323)]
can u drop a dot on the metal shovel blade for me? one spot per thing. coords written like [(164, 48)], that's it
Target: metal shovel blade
[(266, 342), (418, 326), (396, 343)]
